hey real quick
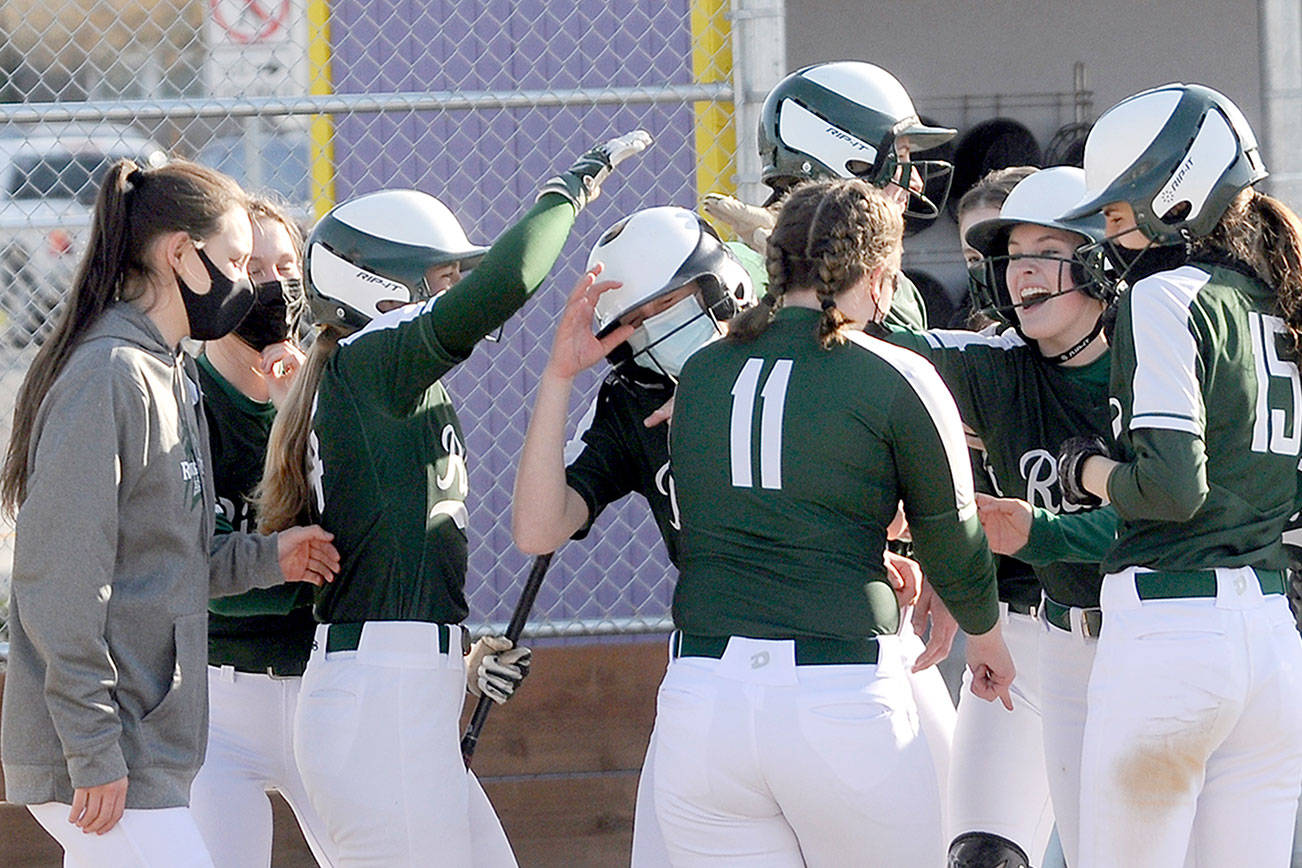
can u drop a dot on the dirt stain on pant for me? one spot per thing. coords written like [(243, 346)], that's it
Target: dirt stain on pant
[(1159, 775)]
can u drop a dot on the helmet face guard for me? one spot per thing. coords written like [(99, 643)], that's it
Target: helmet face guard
[(809, 129), (988, 282)]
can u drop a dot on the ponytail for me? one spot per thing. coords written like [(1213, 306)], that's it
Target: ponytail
[(282, 496), (134, 206), (1264, 233)]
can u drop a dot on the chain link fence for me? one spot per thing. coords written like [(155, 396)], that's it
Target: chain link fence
[(321, 100)]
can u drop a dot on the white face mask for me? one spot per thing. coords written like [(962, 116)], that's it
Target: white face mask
[(664, 341)]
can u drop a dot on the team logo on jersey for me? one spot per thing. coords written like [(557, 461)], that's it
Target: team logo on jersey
[(1039, 468), (454, 476), (665, 485)]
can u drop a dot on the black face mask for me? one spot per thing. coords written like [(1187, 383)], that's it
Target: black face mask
[(215, 313), (1137, 264), (268, 321)]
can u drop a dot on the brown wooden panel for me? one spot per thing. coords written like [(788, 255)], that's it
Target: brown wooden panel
[(577, 822), (583, 708)]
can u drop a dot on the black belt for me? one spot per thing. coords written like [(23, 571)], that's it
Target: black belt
[(347, 635), (291, 670), (1091, 619), (1176, 584), (810, 650), (1020, 608)]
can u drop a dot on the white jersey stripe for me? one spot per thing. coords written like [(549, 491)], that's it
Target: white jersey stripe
[(1167, 392), (939, 403), (944, 339), (392, 319), (576, 444)]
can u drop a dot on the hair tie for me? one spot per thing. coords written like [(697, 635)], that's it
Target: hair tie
[(829, 303), (770, 299), (136, 177)]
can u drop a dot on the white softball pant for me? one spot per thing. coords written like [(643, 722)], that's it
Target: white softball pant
[(759, 762), (250, 751), (1193, 739), (1066, 657), (377, 741), (998, 782), (936, 713), (143, 838)]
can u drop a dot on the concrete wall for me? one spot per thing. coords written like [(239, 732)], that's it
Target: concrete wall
[(965, 62)]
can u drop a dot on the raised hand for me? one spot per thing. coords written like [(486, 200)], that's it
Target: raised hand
[(581, 183), (574, 347)]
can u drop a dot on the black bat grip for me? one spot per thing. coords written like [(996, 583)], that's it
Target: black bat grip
[(513, 630)]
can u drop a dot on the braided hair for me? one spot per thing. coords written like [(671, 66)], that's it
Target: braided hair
[(829, 234)]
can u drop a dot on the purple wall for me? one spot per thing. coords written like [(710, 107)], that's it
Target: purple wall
[(486, 166)]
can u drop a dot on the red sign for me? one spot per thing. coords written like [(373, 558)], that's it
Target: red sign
[(250, 21)]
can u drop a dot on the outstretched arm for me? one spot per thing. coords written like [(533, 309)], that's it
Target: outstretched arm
[(546, 511)]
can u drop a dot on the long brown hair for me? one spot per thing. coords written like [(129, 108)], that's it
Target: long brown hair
[(829, 234), (281, 498), (1264, 233), (134, 207)]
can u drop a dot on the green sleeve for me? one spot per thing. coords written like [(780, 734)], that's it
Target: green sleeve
[(1081, 537), (400, 354), (936, 486), (1166, 480), (513, 268)]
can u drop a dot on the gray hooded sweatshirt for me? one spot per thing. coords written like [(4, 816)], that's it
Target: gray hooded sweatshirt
[(114, 562)]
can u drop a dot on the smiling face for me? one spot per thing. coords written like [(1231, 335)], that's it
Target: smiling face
[(1055, 322)]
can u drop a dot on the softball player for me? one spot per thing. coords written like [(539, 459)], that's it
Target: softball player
[(844, 119), (1024, 392), (669, 287), (106, 701), (786, 732), (854, 119), (376, 733), (1195, 700), (258, 642)]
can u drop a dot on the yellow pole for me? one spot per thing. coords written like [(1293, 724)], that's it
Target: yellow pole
[(716, 138), (321, 131)]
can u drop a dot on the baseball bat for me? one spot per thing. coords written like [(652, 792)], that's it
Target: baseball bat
[(513, 630)]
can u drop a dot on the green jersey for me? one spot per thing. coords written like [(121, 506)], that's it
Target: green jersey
[(266, 628), (613, 454), (790, 461), (387, 457), (1023, 408), (1206, 402)]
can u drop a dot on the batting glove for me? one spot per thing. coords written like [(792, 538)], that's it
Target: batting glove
[(494, 668), (1071, 464), (581, 182), (752, 223)]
